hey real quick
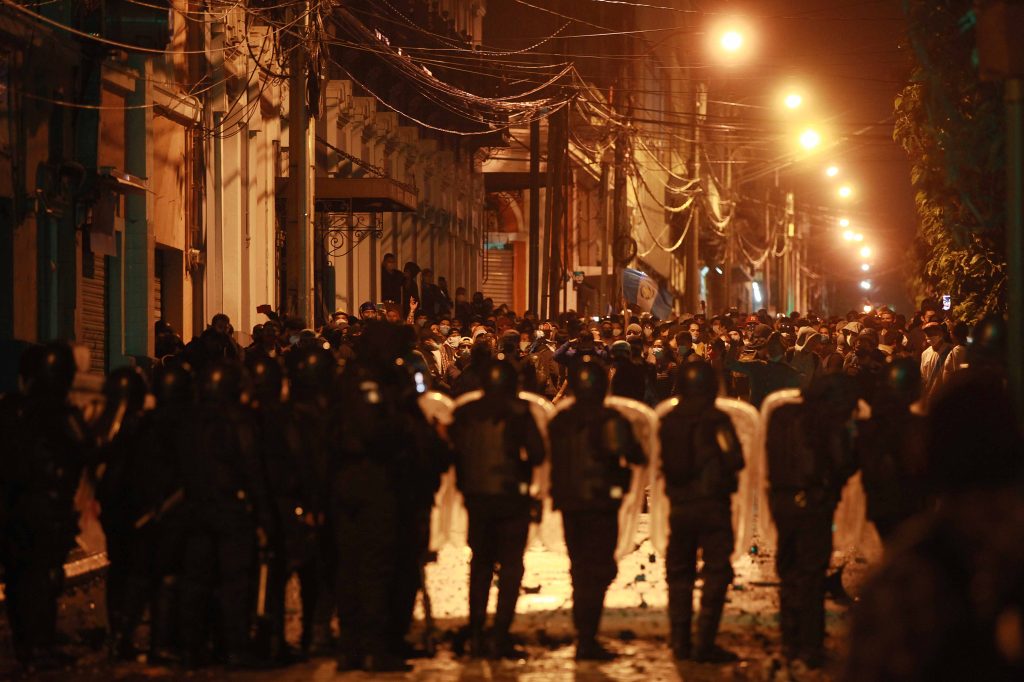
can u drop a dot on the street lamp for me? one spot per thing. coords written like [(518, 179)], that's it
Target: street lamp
[(844, 222), (845, 192), (832, 171), (848, 235), (731, 41), (864, 267), (865, 252), (810, 138), (865, 284), (793, 100)]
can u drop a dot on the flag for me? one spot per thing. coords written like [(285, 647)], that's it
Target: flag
[(643, 291)]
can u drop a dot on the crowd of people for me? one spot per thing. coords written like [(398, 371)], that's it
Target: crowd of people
[(227, 470)]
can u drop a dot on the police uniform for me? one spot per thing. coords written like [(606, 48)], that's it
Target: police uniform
[(227, 510), (42, 459), (497, 445), (809, 456), (700, 458), (592, 449)]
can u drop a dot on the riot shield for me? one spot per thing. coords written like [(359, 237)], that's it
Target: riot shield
[(645, 429), (438, 408), (746, 504), (449, 508), (852, 535)]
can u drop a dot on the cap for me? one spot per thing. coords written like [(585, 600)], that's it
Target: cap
[(367, 306), (634, 329), (805, 335)]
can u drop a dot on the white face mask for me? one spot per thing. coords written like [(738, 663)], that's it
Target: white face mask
[(455, 341)]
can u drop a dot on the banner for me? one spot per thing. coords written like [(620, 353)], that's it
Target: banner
[(643, 291)]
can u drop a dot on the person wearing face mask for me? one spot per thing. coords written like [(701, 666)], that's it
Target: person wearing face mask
[(766, 370), (542, 357), (444, 326)]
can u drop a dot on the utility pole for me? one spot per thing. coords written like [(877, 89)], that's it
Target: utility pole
[(534, 244), (299, 231), (693, 238), (557, 141), (606, 228)]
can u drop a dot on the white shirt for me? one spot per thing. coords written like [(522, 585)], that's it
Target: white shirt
[(931, 370)]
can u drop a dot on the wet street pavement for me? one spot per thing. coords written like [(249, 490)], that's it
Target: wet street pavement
[(635, 625)]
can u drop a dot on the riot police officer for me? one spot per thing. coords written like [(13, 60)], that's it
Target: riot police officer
[(893, 450), (497, 445), (44, 452), (700, 459), (159, 481), (375, 452), (291, 541), (122, 501), (228, 513), (810, 456), (592, 449), (311, 374)]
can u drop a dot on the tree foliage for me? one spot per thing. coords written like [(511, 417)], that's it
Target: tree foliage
[(950, 123)]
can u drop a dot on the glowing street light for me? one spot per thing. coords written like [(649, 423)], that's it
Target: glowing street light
[(845, 192), (865, 284), (864, 267), (868, 308), (844, 222), (810, 138), (848, 235), (731, 41), (832, 171), (793, 100), (858, 237), (865, 252)]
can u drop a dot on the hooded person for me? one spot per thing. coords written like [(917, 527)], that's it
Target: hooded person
[(766, 369), (803, 356), (593, 454)]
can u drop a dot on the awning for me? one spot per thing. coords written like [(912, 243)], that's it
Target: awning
[(359, 195)]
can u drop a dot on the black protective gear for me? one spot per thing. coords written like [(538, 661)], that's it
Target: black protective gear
[(589, 383), (697, 382), (592, 449), (700, 459), (489, 436), (44, 452), (988, 342), (901, 382), (221, 383), (701, 454), (126, 386), (51, 371), (310, 373), (704, 524), (172, 386), (500, 379), (810, 457), (266, 379), (497, 445)]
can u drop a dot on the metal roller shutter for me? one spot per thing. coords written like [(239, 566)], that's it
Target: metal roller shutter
[(94, 314), (497, 276)]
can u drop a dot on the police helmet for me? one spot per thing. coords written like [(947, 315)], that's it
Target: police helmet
[(589, 383), (172, 385), (311, 372), (988, 342), (697, 382), (266, 378), (126, 386), (51, 371), (902, 381), (500, 379), (221, 383)]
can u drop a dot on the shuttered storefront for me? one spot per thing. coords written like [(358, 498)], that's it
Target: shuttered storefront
[(497, 275), (94, 313)]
